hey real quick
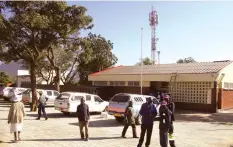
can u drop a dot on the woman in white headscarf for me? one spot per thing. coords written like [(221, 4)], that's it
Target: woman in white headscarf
[(16, 115)]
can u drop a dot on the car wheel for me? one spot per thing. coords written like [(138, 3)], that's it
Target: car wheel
[(6, 99), (138, 120), (66, 113), (119, 119)]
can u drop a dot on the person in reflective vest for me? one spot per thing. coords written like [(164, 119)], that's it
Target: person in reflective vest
[(129, 120), (164, 123), (171, 107)]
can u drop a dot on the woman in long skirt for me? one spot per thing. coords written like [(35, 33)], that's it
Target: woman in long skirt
[(16, 116)]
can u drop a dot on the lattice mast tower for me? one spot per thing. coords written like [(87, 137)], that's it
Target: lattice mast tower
[(153, 18)]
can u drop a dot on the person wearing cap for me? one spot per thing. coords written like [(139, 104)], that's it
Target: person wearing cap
[(171, 107), (164, 124), (83, 117), (16, 116), (148, 113), (41, 107), (129, 120)]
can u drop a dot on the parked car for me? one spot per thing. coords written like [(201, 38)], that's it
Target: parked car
[(119, 102), (67, 102), (8, 92), (50, 94), (1, 90)]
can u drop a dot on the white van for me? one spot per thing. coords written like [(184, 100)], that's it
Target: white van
[(119, 102), (67, 102), (50, 94)]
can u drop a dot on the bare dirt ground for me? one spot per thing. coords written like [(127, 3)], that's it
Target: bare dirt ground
[(192, 129)]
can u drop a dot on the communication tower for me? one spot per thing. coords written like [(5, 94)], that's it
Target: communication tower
[(153, 18)]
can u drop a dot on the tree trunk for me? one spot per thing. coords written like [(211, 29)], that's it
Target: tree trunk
[(33, 87), (57, 79)]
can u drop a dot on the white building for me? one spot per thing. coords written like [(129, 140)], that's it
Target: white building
[(20, 73)]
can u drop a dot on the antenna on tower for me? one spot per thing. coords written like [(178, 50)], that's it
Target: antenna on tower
[(153, 18)]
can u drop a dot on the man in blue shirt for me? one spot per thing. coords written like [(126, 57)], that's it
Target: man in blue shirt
[(148, 113)]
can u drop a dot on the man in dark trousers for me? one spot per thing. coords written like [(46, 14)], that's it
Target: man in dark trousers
[(41, 107), (83, 117), (129, 120), (148, 113), (171, 107), (164, 123)]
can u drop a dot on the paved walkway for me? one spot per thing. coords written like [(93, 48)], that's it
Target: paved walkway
[(192, 130)]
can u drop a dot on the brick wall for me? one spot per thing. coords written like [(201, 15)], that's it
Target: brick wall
[(227, 99), (196, 107)]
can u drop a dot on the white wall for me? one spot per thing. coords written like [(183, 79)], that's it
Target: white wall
[(21, 79), (228, 71)]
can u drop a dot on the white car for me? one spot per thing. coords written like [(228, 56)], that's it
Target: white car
[(50, 94), (8, 91), (119, 102), (67, 102)]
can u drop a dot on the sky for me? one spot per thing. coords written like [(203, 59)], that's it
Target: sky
[(202, 30)]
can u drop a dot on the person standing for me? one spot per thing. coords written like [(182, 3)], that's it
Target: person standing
[(171, 107), (129, 120), (164, 124), (148, 113), (16, 116), (83, 117), (41, 107)]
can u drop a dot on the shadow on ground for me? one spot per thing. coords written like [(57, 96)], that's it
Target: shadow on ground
[(102, 123), (72, 139), (57, 115), (225, 118)]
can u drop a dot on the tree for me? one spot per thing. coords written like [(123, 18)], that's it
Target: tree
[(96, 56), (145, 61), (32, 29), (186, 60), (4, 78), (69, 20)]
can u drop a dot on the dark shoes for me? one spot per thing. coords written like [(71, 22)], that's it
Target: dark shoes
[(135, 137), (123, 136), (46, 118), (86, 139)]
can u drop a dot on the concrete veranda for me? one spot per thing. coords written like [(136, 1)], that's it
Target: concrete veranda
[(192, 130)]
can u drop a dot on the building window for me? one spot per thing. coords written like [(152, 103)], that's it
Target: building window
[(228, 85), (133, 83), (117, 83), (100, 83), (122, 83), (130, 83)]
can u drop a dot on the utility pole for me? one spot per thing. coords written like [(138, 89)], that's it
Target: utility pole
[(141, 58)]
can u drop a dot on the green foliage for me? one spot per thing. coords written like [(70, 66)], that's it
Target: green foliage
[(33, 28), (4, 78), (145, 61), (186, 60), (96, 56)]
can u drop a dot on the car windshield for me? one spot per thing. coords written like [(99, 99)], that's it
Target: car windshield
[(63, 96), (27, 91), (121, 98)]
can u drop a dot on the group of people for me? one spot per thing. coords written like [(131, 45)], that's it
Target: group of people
[(148, 113)]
